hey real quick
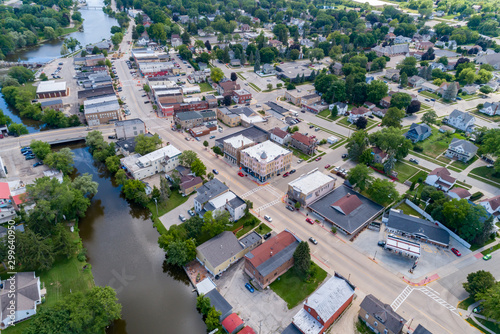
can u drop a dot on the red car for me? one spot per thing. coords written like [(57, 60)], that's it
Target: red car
[(241, 174), (286, 174), (327, 166), (456, 252), (318, 158), (310, 221)]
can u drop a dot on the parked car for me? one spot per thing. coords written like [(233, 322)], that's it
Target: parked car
[(268, 218), (311, 239), (249, 287), (241, 174), (291, 208), (327, 166), (36, 164), (311, 126), (292, 171), (286, 174), (267, 235), (146, 102), (310, 221), (344, 155), (381, 243), (25, 149), (182, 218), (299, 161), (459, 98), (318, 158), (30, 157), (433, 100), (487, 257), (317, 129), (111, 137), (456, 252), (371, 116), (212, 137), (415, 161), (215, 171), (427, 100)]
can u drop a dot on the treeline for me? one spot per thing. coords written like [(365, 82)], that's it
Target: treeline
[(24, 26)]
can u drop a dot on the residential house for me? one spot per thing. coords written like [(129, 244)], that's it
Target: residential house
[(379, 112), (369, 105), (438, 66), (418, 132), (245, 27), (440, 178), (19, 297), (461, 120), (491, 59), (268, 69), (492, 205), (273, 258), (227, 88), (337, 68), (380, 317), (305, 144), (220, 252), (341, 107), (191, 119), (232, 324), (470, 89), (356, 113), (274, 43), (491, 108), (307, 42), (265, 160), (233, 147), (392, 74), (216, 300), (279, 136), (392, 50), (429, 87), (310, 187), (424, 45), (386, 102), (390, 36), (444, 86), (164, 160), (401, 40), (379, 156), (227, 201), (493, 85), (324, 306), (189, 184), (461, 149), (209, 190), (416, 81), (241, 96), (459, 193)]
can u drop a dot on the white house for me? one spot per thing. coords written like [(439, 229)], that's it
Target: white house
[(438, 66), (492, 205), (402, 39), (357, 113), (163, 160), (461, 120), (461, 149), (441, 179), (229, 202), (459, 193), (23, 291), (341, 107), (279, 136), (491, 109)]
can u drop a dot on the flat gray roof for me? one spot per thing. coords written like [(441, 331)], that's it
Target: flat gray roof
[(417, 226), (250, 239)]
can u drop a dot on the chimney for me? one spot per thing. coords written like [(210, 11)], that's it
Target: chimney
[(271, 253), (348, 194)]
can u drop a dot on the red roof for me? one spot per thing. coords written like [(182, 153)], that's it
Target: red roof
[(275, 245), (232, 322), (359, 111), (280, 133), (4, 190), (461, 192), (494, 202), (247, 330), (17, 199), (444, 174), (308, 141), (379, 152), (348, 203), (229, 85)]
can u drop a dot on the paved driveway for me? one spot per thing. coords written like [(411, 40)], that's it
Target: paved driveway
[(172, 217)]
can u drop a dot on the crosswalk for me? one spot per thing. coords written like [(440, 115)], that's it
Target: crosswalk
[(401, 298), (434, 296), (269, 188), (267, 205)]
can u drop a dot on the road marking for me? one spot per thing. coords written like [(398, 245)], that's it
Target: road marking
[(439, 300), (401, 298), (265, 206)]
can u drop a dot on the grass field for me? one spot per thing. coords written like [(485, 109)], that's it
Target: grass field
[(407, 210), (463, 165), (422, 174), (405, 171), (205, 87), (174, 201), (293, 289), (490, 325), (488, 173), (464, 304), (437, 143)]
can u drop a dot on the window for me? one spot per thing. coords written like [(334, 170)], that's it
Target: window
[(308, 309), (375, 323), (367, 316), (386, 331)]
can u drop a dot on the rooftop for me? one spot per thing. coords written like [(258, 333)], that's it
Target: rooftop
[(99, 91), (417, 226), (219, 302), (27, 293), (266, 151), (51, 86), (232, 322), (250, 239), (51, 102), (238, 141), (302, 138), (444, 174), (383, 313), (347, 204), (311, 181), (129, 122), (220, 248), (209, 190), (465, 145), (252, 133), (279, 133)]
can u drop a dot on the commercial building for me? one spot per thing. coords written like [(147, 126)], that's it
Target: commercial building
[(95, 93), (348, 210), (273, 258), (233, 147), (51, 88), (324, 306), (191, 119), (220, 252), (52, 104), (380, 317), (209, 190), (290, 71), (155, 69), (129, 128), (227, 88), (203, 130), (162, 160), (102, 110), (295, 95), (233, 117), (402, 247), (241, 96), (265, 160), (310, 187), (254, 133)]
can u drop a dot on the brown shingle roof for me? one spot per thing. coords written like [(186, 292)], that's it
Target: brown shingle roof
[(360, 111), (280, 133), (461, 192), (379, 152), (274, 245), (494, 202), (348, 203), (229, 85), (303, 139), (444, 174)]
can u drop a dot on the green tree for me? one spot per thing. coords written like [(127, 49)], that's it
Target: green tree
[(383, 191), (62, 160), (49, 33), (403, 79), (486, 90), (360, 176), (392, 141), (85, 185), (393, 117), (376, 90), (216, 74), (491, 302), (203, 304), (135, 190), (18, 129), (357, 144), (302, 258), (205, 143), (335, 112), (121, 177), (40, 148), (63, 242), (33, 252), (180, 252), (145, 144), (21, 74), (113, 163), (451, 92), (400, 100), (429, 117), (479, 282), (187, 158), (212, 321), (165, 191), (198, 167)]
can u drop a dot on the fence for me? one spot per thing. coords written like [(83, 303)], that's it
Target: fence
[(428, 217)]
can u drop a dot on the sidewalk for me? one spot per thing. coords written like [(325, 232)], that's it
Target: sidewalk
[(472, 315)]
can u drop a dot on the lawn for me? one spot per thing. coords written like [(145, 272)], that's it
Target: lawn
[(464, 304), (490, 325), (298, 153), (491, 249), (437, 143), (174, 201), (205, 87), (261, 229), (254, 87), (422, 174), (488, 173), (405, 171), (362, 328), (495, 118), (429, 94), (407, 210), (346, 123), (463, 165), (293, 289)]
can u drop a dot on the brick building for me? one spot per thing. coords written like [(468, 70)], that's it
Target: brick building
[(305, 144), (52, 88)]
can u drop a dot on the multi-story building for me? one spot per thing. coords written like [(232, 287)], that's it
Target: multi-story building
[(227, 201), (461, 120), (51, 88), (265, 160), (191, 119), (227, 88), (241, 96), (310, 187), (52, 104), (441, 178), (461, 149), (233, 147), (380, 317), (102, 110), (129, 128), (305, 144), (205, 193), (164, 160), (279, 136)]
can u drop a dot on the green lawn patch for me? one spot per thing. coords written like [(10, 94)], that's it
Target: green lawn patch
[(429, 94), (486, 117), (422, 156), (464, 304), (19, 328), (422, 174), (248, 222), (491, 249), (408, 210), (404, 170), (437, 143), (362, 328), (293, 289), (174, 201), (475, 247), (205, 87), (254, 87), (488, 173), (338, 144), (463, 165), (344, 122), (298, 153), (490, 325)]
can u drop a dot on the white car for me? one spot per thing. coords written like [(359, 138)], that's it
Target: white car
[(268, 218)]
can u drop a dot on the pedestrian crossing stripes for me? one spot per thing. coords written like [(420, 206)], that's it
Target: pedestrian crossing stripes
[(268, 188), (433, 295), (401, 298), (265, 206)]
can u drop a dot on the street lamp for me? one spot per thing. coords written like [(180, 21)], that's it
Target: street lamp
[(156, 204)]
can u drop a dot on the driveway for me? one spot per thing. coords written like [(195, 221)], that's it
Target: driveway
[(172, 217)]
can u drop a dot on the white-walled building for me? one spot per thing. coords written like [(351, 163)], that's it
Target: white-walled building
[(163, 160), (310, 187), (229, 202), (129, 128)]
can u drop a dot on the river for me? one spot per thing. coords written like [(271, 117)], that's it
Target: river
[(96, 27), (124, 254)]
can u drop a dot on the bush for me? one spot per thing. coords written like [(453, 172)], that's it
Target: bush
[(334, 229), (476, 196), (82, 255), (420, 180), (378, 166), (480, 106), (412, 186), (418, 148)]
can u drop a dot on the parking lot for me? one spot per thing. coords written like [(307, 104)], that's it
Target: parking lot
[(431, 258), (263, 310), (18, 167)]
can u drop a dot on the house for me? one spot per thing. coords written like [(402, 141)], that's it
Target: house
[(491, 59), (341, 107), (461, 120), (444, 86), (392, 50), (245, 27), (218, 301), (424, 45), (392, 74), (227, 88), (209, 190), (491, 108), (429, 87), (22, 291), (461, 149), (379, 156), (337, 68), (232, 324), (459, 193), (235, 62), (369, 79), (401, 39), (379, 112), (441, 179), (369, 105), (416, 81), (279, 136), (268, 69), (389, 36), (271, 259), (129, 128), (164, 160), (444, 129), (324, 306), (265, 160), (305, 144), (470, 89), (418, 132), (380, 317), (493, 85), (438, 66), (415, 228), (241, 96), (189, 184), (310, 187), (492, 205), (346, 209), (223, 250), (356, 113), (191, 119), (274, 43), (227, 201), (386, 102)]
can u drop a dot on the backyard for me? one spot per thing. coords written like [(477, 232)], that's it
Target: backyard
[(437, 143), (405, 171), (173, 201), (205, 87)]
